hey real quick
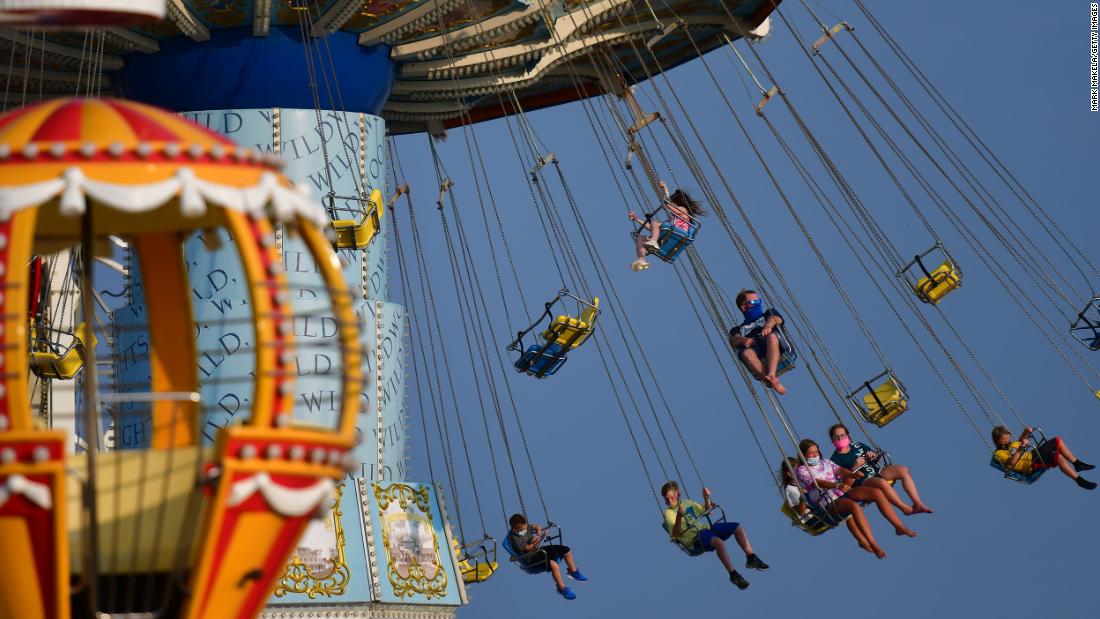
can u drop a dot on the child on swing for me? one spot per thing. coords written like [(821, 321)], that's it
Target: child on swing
[(680, 207)]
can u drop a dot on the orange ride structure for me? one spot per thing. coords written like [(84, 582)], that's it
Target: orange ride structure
[(177, 526)]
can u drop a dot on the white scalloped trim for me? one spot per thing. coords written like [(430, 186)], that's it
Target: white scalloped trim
[(36, 493), (194, 195), (289, 502)]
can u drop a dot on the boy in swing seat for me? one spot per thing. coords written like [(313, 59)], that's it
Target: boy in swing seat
[(686, 524), (1013, 455), (756, 340), (526, 540)]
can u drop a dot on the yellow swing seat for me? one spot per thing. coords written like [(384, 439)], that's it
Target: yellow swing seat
[(478, 571), (813, 526), (352, 234), (885, 403), (943, 280), (64, 365), (572, 332)]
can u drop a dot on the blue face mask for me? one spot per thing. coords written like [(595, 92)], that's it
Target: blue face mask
[(754, 311), (813, 461)]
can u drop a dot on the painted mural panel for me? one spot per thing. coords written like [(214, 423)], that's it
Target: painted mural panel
[(410, 545)]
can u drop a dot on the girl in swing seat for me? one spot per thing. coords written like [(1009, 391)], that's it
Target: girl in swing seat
[(680, 207), (857, 524), (824, 480)]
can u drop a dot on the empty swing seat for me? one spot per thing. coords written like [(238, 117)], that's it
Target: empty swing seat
[(932, 286), (1086, 328), (60, 365), (352, 234), (541, 360), (566, 331), (562, 333), (473, 570), (885, 403), (938, 283)]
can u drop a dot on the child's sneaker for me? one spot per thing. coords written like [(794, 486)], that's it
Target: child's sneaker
[(567, 593), (639, 265), (577, 576), (738, 580), (753, 562), (652, 244)]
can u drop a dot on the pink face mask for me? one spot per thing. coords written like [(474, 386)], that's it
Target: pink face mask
[(842, 443)]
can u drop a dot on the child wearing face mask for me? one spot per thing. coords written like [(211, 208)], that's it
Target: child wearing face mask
[(756, 340), (856, 456), (825, 482), (526, 540), (1053, 453)]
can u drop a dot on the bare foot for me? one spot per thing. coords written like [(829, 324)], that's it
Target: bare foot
[(880, 553), (906, 532), (773, 382), (908, 511), (868, 548), (922, 509)]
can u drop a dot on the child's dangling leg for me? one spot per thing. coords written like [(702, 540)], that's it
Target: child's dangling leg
[(641, 263), (654, 235)]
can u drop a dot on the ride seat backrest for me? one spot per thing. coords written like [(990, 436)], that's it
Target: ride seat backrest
[(944, 279), (572, 332), (885, 403)]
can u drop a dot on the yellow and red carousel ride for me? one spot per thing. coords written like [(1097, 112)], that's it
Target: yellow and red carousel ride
[(175, 527)]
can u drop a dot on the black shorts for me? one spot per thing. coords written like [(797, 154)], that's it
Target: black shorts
[(541, 557), (1048, 454)]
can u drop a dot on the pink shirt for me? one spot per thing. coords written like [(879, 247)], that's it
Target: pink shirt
[(826, 470)]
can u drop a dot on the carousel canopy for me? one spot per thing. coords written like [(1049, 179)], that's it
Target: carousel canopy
[(133, 158), (413, 62)]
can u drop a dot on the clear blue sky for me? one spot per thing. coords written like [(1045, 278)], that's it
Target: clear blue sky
[(1019, 72)]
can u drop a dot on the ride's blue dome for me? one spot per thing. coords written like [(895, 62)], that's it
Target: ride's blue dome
[(235, 69)]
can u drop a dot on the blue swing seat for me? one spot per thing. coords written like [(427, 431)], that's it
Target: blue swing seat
[(1023, 478), (541, 360), (518, 559), (672, 241)]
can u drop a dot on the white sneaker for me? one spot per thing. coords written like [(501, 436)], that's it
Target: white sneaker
[(639, 265)]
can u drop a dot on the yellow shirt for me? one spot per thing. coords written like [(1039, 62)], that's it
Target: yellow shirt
[(1023, 465), (690, 524)]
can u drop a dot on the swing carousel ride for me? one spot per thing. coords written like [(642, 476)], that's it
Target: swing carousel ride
[(202, 411)]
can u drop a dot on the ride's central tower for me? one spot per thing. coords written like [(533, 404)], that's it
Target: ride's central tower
[(354, 557)]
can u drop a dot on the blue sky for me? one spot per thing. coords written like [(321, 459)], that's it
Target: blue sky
[(1020, 75)]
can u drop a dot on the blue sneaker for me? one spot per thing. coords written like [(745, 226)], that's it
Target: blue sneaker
[(567, 594), (577, 576)]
